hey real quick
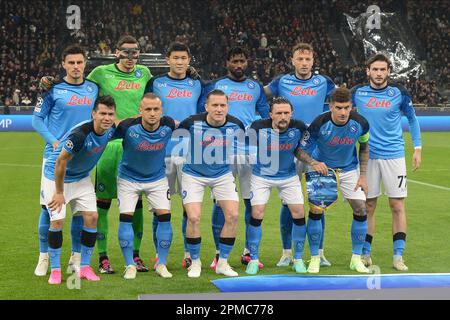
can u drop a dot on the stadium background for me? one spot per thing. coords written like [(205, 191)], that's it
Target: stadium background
[(33, 34)]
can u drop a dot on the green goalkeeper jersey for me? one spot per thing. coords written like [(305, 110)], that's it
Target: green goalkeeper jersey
[(127, 89)]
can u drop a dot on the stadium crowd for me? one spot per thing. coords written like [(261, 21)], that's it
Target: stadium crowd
[(29, 44)]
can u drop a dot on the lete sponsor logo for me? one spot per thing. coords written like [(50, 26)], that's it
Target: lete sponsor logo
[(79, 101), (375, 103), (300, 91), (175, 93), (122, 85)]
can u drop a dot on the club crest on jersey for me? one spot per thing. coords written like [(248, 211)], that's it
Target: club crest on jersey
[(353, 128), (110, 135), (391, 92), (163, 133), (190, 83), (69, 144), (138, 74), (251, 85), (316, 81), (89, 88), (101, 187), (291, 134)]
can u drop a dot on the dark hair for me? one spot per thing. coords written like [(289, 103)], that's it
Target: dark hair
[(126, 39), (105, 100), (216, 92), (177, 46), (341, 95), (302, 47), (379, 57), (279, 100), (73, 49), (234, 51)]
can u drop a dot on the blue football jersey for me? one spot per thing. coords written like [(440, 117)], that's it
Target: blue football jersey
[(383, 108), (307, 96), (333, 144), (246, 98), (180, 99), (276, 151), (61, 108), (87, 148), (211, 148), (143, 151)]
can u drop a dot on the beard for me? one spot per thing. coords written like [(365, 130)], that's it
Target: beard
[(237, 73)]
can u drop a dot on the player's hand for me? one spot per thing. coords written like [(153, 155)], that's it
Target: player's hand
[(320, 167), (46, 83), (417, 159), (193, 73), (362, 183), (55, 144), (57, 202)]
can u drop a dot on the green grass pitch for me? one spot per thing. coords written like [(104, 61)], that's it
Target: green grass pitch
[(20, 159)]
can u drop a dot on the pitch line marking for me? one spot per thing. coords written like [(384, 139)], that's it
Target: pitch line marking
[(429, 185)]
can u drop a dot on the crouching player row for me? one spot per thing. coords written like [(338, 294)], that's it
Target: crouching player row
[(331, 141)]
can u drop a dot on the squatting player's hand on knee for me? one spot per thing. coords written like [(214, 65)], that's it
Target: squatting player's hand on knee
[(57, 202)]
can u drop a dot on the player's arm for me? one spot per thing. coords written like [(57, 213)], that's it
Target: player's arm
[(60, 171), (268, 92), (271, 90), (41, 111), (363, 156), (414, 129), (320, 167), (262, 107)]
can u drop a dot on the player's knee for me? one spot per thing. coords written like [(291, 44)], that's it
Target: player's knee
[(297, 212), (231, 216), (360, 212), (257, 213), (194, 219), (57, 224), (91, 220), (397, 207)]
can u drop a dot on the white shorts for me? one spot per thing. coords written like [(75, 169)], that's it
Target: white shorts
[(128, 194), (243, 170), (347, 182), (223, 188), (290, 190), (174, 165), (393, 174), (80, 195)]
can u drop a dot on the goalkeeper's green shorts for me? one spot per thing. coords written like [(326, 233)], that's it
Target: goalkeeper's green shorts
[(106, 171)]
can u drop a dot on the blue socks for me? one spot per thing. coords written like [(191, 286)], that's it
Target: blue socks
[(367, 247), (55, 240), (225, 245), (286, 227), (75, 232), (154, 227), (254, 237), (358, 231), (88, 237), (314, 231), (126, 237), (399, 243), (194, 247), (323, 231), (218, 220), (164, 236), (43, 226), (299, 237)]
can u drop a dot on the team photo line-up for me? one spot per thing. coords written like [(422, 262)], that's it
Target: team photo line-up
[(173, 134)]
